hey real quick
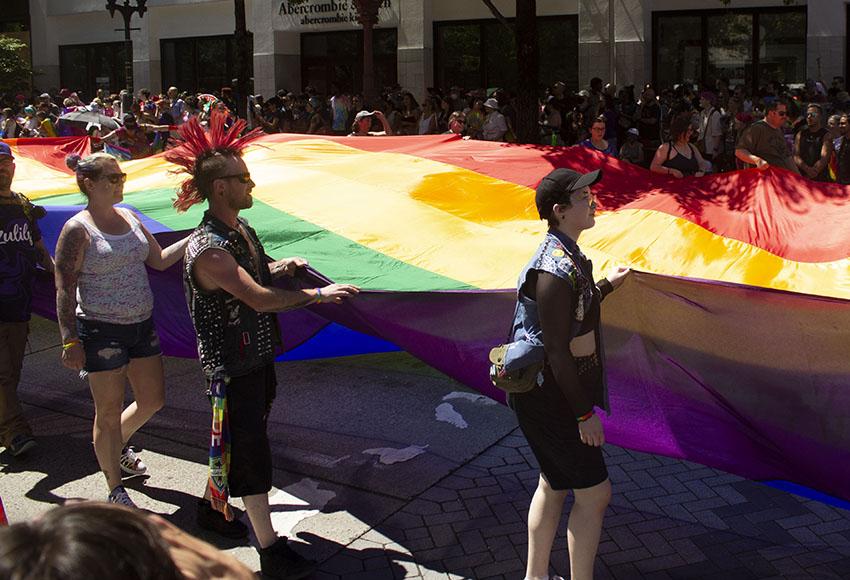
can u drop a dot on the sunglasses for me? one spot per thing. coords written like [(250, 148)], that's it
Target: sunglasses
[(782, 113), (115, 178), (241, 177)]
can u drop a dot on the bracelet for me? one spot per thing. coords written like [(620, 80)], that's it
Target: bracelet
[(318, 295), (70, 344), (585, 417)]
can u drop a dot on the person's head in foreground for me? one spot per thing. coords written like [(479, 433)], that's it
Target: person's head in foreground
[(86, 540), (90, 540), (565, 201)]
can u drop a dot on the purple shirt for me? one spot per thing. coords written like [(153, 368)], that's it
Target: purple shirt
[(18, 258)]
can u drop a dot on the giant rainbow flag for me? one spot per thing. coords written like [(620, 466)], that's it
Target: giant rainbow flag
[(729, 345)]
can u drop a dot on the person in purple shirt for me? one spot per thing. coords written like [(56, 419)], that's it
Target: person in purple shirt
[(22, 253), (597, 140)]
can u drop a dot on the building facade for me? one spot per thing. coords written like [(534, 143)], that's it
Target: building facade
[(425, 43)]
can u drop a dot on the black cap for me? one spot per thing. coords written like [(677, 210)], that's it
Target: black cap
[(129, 119), (558, 185)]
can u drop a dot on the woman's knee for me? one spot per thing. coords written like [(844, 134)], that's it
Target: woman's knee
[(152, 403), (108, 419)]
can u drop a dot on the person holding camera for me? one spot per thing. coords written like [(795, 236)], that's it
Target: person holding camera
[(559, 308), (22, 252)]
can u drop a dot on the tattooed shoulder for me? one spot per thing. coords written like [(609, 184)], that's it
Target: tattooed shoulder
[(73, 241)]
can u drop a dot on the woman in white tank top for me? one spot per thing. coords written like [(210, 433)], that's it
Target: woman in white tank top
[(104, 306)]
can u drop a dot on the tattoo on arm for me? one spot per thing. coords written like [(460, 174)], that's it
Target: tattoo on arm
[(69, 257)]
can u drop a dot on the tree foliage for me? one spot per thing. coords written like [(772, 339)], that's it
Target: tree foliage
[(15, 69)]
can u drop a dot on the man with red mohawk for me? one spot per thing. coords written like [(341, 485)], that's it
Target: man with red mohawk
[(232, 302)]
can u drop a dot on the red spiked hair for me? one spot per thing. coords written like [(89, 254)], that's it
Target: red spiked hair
[(198, 145)]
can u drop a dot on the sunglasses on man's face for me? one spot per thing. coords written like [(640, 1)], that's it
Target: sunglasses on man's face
[(782, 113), (115, 178), (241, 177)]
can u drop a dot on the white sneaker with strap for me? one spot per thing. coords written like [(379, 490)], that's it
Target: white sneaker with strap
[(131, 464)]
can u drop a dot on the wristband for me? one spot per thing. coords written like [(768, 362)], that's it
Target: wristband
[(585, 417), (70, 344), (318, 295)]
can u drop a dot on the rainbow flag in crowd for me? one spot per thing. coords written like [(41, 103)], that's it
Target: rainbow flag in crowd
[(729, 346)]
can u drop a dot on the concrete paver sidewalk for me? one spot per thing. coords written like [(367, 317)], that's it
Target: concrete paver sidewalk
[(387, 469)]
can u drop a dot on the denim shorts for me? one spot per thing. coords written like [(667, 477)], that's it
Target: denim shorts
[(111, 346)]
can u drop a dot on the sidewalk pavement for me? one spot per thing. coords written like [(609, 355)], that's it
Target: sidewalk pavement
[(388, 469)]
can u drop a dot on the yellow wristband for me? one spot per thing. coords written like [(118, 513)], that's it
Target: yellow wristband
[(70, 344)]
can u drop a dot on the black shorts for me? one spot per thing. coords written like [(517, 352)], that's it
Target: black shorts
[(249, 400), (548, 423), (111, 346)]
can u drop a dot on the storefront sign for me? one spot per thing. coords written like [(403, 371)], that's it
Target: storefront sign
[(314, 15)]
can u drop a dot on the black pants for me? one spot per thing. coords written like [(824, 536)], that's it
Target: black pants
[(249, 400)]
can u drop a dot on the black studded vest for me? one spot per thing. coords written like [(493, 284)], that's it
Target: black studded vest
[(233, 338)]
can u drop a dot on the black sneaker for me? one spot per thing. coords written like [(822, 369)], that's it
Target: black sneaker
[(21, 443), (281, 562), (214, 521)]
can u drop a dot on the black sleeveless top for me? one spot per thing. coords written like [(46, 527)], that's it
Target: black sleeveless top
[(811, 145), (680, 162)]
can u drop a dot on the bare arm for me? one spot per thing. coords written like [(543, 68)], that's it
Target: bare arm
[(159, 258), (148, 128), (387, 129), (70, 250), (217, 270), (657, 165), (110, 136), (797, 158), (286, 266), (747, 157)]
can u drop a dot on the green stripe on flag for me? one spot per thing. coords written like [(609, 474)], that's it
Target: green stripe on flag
[(284, 235)]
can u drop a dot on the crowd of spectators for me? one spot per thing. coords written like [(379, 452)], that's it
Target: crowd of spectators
[(701, 125)]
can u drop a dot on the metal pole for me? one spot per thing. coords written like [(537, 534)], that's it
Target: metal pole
[(127, 12), (612, 43), (128, 53)]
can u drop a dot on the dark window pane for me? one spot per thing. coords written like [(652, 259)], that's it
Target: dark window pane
[(500, 56), (72, 65), (16, 11), (85, 68), (335, 59), (385, 42), (314, 45), (782, 47), (558, 45), (202, 64), (730, 47), (679, 49), (459, 49)]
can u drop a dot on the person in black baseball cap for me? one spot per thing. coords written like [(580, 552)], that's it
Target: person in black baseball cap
[(558, 316), (558, 187)]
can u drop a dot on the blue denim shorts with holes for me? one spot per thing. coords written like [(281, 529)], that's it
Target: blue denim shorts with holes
[(111, 346)]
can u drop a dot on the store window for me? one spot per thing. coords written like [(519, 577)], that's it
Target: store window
[(85, 68), (335, 59), (201, 64), (482, 53), (15, 17), (750, 47)]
